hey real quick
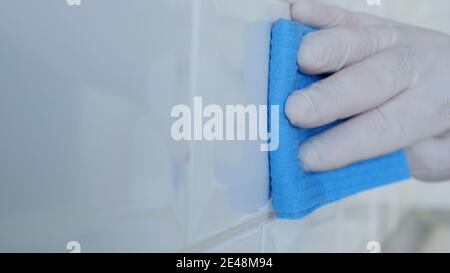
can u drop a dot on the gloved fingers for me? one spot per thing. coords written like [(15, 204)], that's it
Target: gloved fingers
[(330, 50), (399, 123), (429, 160), (319, 15), (353, 90)]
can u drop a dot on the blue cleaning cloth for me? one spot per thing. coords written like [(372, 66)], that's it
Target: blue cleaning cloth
[(296, 193)]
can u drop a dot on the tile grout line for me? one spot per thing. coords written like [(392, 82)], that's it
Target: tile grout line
[(261, 238), (232, 232)]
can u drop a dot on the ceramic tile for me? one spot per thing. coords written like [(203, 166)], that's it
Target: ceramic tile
[(88, 91), (229, 181)]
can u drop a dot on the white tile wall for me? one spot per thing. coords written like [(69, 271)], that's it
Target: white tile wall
[(86, 147)]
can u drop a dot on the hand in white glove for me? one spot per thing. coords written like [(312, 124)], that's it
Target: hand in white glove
[(392, 80)]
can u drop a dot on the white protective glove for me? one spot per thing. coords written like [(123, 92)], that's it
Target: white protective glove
[(392, 80)]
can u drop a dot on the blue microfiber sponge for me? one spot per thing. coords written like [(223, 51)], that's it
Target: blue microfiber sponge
[(296, 193)]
